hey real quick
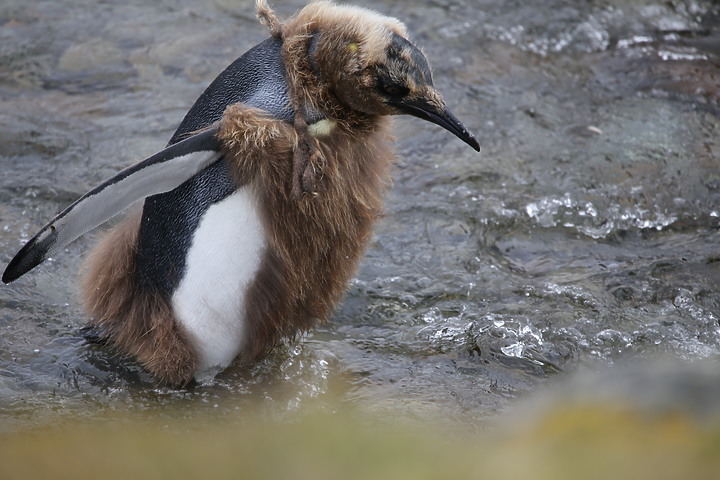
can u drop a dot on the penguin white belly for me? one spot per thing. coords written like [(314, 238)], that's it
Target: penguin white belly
[(223, 258)]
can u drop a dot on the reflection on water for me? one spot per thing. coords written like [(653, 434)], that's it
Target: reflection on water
[(584, 235)]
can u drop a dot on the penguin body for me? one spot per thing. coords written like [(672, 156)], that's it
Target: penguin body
[(199, 245), (256, 79), (223, 259), (277, 176)]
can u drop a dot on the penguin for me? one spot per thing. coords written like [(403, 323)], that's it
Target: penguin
[(257, 212)]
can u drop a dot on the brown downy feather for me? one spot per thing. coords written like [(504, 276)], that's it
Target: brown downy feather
[(137, 323), (314, 244), (315, 241), (340, 29), (305, 152), (268, 18)]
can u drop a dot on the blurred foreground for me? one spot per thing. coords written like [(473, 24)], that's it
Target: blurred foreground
[(660, 422)]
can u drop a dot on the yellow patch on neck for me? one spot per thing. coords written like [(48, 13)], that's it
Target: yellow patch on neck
[(322, 128)]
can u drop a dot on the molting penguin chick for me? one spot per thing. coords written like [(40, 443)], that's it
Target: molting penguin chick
[(381, 73), (256, 214)]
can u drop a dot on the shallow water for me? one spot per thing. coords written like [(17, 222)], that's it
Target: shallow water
[(584, 235)]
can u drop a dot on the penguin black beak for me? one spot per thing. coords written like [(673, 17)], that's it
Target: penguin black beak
[(421, 108)]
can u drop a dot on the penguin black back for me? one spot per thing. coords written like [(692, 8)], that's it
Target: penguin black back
[(255, 79)]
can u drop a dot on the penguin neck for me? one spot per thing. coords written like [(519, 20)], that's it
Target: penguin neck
[(325, 115), (314, 95)]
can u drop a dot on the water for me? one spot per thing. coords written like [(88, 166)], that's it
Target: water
[(585, 234)]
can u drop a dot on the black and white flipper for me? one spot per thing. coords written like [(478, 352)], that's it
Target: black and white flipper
[(162, 172)]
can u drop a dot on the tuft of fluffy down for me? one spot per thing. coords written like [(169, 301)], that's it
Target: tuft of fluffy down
[(138, 323), (314, 244)]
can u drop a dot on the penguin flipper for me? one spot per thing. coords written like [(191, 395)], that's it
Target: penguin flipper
[(159, 173)]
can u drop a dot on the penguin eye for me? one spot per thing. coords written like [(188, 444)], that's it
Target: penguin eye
[(395, 90)]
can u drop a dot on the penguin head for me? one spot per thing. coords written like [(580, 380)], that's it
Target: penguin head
[(367, 63), (399, 81)]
